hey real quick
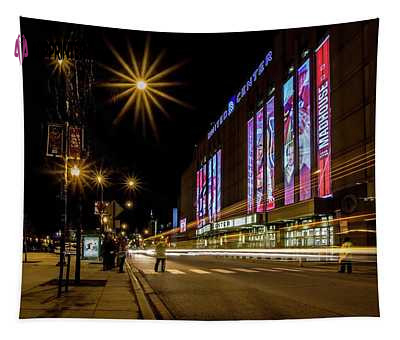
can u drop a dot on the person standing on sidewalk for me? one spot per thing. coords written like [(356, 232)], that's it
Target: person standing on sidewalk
[(345, 259), (161, 254), (108, 248), (123, 245)]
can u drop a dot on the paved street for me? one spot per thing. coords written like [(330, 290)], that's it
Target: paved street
[(218, 288), (113, 298)]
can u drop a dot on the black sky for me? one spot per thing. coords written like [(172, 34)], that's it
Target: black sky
[(216, 67)]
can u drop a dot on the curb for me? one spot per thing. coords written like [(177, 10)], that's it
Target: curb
[(159, 307), (144, 306), (146, 296)]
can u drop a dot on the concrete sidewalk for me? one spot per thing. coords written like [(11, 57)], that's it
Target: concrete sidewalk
[(103, 294)]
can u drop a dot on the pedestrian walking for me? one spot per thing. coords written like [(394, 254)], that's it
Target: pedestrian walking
[(161, 256), (123, 245), (345, 259)]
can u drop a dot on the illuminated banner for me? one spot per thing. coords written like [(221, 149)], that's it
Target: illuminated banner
[(304, 130), (200, 205), (270, 129), (323, 118), (260, 161), (75, 142), (210, 188), (288, 141), (174, 217), (250, 161), (182, 226), (204, 193), (197, 197), (214, 187), (55, 140), (219, 181)]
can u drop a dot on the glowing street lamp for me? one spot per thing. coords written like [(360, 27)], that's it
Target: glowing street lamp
[(100, 180), (129, 204), (75, 171), (131, 183), (141, 85)]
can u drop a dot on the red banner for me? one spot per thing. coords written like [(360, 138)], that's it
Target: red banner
[(55, 140), (75, 142), (323, 118)]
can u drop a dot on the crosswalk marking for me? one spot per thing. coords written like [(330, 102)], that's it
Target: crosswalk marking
[(245, 270), (288, 269), (267, 269), (175, 271), (199, 271), (235, 270), (317, 270), (223, 271)]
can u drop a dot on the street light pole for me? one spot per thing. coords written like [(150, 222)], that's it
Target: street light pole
[(78, 245), (63, 231)]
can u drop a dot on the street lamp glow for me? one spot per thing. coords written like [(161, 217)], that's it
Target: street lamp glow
[(129, 204), (141, 85), (75, 171), (99, 178), (132, 183)]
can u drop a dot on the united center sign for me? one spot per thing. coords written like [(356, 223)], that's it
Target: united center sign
[(241, 93)]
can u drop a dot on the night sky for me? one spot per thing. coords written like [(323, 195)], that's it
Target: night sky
[(216, 66)]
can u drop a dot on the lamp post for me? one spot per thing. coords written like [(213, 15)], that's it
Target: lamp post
[(100, 180), (62, 238), (75, 172)]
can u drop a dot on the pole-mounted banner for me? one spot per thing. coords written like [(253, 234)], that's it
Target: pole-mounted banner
[(75, 144), (55, 140), (323, 88)]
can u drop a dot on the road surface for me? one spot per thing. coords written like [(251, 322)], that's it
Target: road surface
[(219, 288)]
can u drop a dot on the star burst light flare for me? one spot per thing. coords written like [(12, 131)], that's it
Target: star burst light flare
[(141, 85)]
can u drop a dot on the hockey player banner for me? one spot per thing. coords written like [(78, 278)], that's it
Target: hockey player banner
[(304, 129)]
